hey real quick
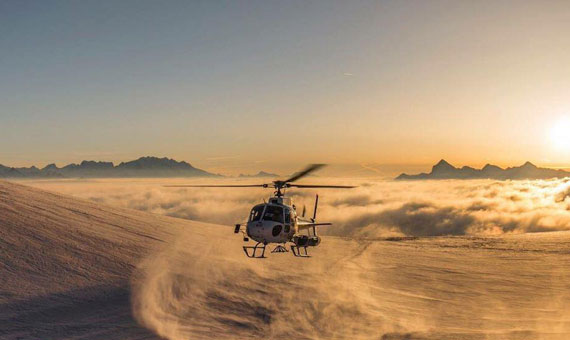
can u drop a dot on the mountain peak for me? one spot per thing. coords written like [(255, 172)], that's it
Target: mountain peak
[(443, 166), (528, 164), (151, 162), (491, 168), (51, 166)]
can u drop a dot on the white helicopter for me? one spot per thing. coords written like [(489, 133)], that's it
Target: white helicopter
[(276, 221)]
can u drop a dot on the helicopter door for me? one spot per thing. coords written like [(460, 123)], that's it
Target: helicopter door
[(287, 221)]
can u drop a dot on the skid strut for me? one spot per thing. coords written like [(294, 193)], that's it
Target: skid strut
[(254, 252), (296, 250), (280, 249)]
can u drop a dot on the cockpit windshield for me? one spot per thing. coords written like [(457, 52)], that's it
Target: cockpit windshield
[(273, 213), (256, 213)]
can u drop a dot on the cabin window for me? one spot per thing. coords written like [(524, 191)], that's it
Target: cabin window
[(256, 213), (287, 216), (273, 213)]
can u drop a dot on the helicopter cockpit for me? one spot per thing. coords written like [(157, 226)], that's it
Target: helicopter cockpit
[(267, 212), (273, 213)]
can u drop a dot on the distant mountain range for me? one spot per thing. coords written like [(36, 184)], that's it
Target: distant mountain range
[(444, 170), (142, 167), (259, 174)]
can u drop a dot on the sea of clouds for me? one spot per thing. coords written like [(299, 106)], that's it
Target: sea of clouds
[(376, 208)]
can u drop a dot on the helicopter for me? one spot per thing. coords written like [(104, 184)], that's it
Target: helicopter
[(276, 221)]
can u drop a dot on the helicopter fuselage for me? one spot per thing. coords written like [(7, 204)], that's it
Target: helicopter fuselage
[(277, 220), (273, 222)]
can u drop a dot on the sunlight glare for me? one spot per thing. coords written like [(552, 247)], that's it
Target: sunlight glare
[(560, 134)]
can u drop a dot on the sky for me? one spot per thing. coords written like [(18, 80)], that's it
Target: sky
[(242, 86)]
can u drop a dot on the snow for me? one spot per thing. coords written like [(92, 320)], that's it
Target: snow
[(76, 269)]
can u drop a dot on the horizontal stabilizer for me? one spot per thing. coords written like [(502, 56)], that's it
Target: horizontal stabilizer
[(303, 225)]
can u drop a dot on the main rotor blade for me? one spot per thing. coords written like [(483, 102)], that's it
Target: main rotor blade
[(305, 172), (219, 186), (320, 186)]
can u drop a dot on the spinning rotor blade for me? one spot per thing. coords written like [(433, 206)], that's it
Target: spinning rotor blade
[(304, 173), (320, 186), (278, 185), (219, 186)]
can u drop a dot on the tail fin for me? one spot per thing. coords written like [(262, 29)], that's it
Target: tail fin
[(316, 205)]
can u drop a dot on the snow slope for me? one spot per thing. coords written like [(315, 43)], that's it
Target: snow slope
[(78, 270), (66, 265)]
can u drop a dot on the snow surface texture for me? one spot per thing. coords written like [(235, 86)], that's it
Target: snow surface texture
[(81, 270)]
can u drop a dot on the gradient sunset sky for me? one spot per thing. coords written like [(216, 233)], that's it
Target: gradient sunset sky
[(241, 85)]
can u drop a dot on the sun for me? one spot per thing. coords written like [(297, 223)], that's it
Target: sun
[(560, 134)]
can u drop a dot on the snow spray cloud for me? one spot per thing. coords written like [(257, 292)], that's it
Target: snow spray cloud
[(198, 289), (374, 209)]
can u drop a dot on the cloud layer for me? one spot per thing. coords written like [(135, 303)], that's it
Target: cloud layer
[(374, 209)]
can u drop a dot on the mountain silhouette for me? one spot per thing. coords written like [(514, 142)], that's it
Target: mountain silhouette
[(444, 170), (259, 174), (142, 167)]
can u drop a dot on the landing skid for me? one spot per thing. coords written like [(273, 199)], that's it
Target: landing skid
[(297, 252), (251, 251), (258, 251)]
